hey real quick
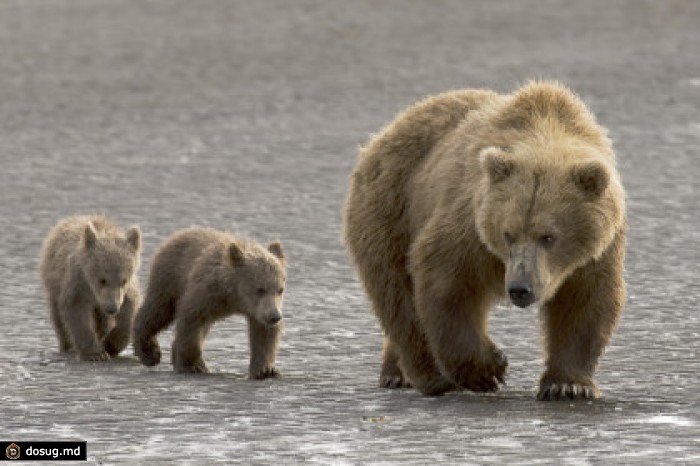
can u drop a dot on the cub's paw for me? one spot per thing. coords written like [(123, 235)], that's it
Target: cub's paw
[(392, 377), (95, 356), (149, 353), (393, 381), (484, 374), (567, 391), (265, 373), (115, 346)]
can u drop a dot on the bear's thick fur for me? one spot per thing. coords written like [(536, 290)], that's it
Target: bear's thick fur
[(470, 196), (201, 275), (88, 266)]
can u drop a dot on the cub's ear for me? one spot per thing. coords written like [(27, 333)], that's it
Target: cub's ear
[(235, 254), (89, 236), (276, 249), (133, 237), (591, 177), (496, 163)]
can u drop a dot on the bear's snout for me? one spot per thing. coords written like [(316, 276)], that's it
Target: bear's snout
[(521, 294), (274, 319), (111, 309)]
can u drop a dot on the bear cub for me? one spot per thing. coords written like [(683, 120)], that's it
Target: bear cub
[(201, 275), (88, 266)]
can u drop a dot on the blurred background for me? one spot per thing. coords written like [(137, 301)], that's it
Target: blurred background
[(247, 116)]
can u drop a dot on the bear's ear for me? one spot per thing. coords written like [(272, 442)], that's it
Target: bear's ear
[(89, 236), (496, 163), (235, 254), (591, 177), (276, 249), (133, 237)]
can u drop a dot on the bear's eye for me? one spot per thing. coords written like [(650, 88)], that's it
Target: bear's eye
[(280, 291), (508, 238), (123, 282), (261, 291), (103, 282), (547, 241)]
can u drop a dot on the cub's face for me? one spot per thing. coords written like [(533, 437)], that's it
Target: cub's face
[(109, 266), (542, 221), (261, 282)]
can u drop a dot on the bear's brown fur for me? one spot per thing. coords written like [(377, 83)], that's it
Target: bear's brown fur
[(201, 275), (88, 266), (469, 196)]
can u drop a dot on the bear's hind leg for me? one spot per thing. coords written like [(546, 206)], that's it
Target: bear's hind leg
[(64, 343), (264, 341), (391, 375), (392, 299)]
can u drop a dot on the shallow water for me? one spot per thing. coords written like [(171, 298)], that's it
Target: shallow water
[(247, 116)]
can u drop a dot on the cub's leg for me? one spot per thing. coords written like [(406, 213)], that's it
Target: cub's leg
[(64, 343), (78, 317), (391, 375), (155, 315), (118, 338), (193, 320), (264, 341)]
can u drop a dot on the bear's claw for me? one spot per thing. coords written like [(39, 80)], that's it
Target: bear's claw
[(192, 370), (393, 381), (567, 391), (266, 373), (199, 367), (97, 356), (484, 376)]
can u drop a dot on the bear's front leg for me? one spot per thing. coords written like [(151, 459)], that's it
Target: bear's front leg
[(78, 315), (579, 322), (118, 338), (455, 325), (264, 341), (452, 305)]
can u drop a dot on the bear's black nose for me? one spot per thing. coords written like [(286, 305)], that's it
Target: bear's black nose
[(521, 294), (274, 320)]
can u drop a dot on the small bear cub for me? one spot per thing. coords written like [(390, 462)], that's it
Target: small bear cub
[(201, 275), (88, 266)]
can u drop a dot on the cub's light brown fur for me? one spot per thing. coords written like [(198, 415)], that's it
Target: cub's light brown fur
[(201, 275), (469, 194), (88, 266)]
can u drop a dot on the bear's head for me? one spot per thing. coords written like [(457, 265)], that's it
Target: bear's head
[(109, 264), (260, 279), (547, 208)]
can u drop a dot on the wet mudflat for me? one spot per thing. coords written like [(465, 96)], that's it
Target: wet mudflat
[(246, 116)]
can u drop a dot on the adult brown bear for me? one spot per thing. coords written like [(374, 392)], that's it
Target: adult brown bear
[(469, 196)]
